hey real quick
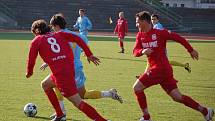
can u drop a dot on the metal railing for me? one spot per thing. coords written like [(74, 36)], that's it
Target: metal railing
[(7, 11), (173, 16)]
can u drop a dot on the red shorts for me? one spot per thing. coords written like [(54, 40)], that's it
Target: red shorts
[(121, 35), (65, 82), (155, 76)]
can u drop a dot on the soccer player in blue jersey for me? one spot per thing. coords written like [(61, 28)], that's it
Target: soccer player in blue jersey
[(158, 25), (83, 24), (155, 22), (58, 23)]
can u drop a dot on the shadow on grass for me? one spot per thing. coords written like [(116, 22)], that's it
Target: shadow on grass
[(41, 117), (202, 58), (207, 87), (138, 60), (111, 58), (48, 119)]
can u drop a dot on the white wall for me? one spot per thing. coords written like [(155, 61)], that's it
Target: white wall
[(188, 3), (207, 5)]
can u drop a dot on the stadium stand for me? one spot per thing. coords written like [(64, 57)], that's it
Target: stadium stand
[(98, 11), (197, 20), (23, 12), (185, 20), (7, 17)]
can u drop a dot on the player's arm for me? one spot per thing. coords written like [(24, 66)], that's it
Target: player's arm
[(88, 53), (89, 24), (184, 42), (116, 28), (138, 48), (126, 27), (76, 26), (83, 45), (32, 56)]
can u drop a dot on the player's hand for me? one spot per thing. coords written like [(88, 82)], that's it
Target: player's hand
[(147, 51), (194, 54), (137, 77), (93, 59), (28, 75), (43, 66)]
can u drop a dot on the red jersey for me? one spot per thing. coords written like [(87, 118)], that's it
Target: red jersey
[(54, 50), (156, 40), (121, 26)]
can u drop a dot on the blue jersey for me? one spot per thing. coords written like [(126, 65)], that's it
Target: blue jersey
[(158, 26), (83, 24), (76, 49)]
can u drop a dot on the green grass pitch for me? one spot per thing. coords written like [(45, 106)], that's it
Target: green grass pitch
[(116, 71)]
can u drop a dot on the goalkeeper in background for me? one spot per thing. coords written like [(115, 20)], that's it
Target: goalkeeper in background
[(83, 24), (158, 25)]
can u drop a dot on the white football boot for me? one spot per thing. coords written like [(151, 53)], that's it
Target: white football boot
[(115, 95), (62, 119), (210, 114), (142, 119)]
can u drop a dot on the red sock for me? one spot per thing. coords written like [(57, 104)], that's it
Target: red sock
[(188, 101), (146, 116), (54, 101), (205, 111), (90, 112), (121, 44), (141, 98)]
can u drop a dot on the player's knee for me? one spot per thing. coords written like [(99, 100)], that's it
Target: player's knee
[(82, 92), (82, 96), (75, 99), (176, 95), (137, 86), (75, 103), (44, 85), (177, 98)]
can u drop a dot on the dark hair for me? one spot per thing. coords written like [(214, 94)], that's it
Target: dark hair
[(144, 15), (155, 15), (58, 19), (82, 10), (60, 14), (40, 27)]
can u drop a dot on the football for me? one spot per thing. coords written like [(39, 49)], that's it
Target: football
[(30, 110)]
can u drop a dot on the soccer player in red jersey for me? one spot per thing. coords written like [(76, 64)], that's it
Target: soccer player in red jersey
[(152, 43), (58, 23), (122, 30), (56, 52)]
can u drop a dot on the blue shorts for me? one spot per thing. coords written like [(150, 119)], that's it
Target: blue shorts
[(79, 77)]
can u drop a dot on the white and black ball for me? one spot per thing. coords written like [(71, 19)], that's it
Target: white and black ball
[(30, 110)]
